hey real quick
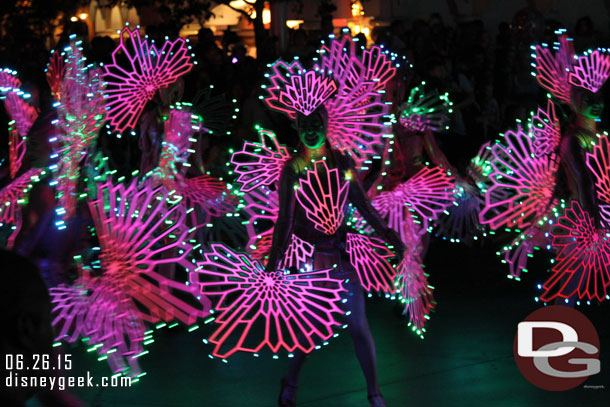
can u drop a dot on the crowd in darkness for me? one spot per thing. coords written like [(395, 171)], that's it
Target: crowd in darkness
[(488, 76)]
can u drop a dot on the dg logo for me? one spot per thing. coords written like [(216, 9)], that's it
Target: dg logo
[(557, 348)]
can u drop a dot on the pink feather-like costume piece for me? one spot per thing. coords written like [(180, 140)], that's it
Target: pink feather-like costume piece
[(22, 114), (10, 202), (138, 230), (261, 309), (260, 163), (590, 71), (598, 163), (323, 196), (546, 131), (356, 111), (414, 290), (130, 86), (583, 259), (529, 181), (424, 197), (553, 67), (93, 308)]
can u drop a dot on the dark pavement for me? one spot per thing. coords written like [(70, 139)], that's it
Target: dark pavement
[(466, 358)]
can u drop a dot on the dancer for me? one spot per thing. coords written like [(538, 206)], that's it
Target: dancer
[(329, 248), (526, 181), (338, 112), (342, 123)]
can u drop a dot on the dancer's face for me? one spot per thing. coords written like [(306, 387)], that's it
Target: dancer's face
[(311, 130), (588, 104)]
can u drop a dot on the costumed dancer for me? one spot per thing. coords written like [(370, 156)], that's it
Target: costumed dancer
[(339, 113), (526, 178), (120, 291)]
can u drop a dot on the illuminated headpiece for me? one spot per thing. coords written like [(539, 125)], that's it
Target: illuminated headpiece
[(553, 68), (350, 88), (558, 71), (149, 69), (298, 90), (591, 71)]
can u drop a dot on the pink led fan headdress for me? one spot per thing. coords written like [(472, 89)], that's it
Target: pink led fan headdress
[(591, 71), (261, 309), (307, 92), (295, 90), (130, 87), (583, 259), (340, 61), (356, 112), (377, 66), (559, 71)]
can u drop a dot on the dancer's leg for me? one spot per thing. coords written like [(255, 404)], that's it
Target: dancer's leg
[(358, 327), (294, 368)]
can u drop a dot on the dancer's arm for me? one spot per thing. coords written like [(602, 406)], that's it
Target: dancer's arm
[(285, 218), (435, 153), (360, 200), (577, 176)]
